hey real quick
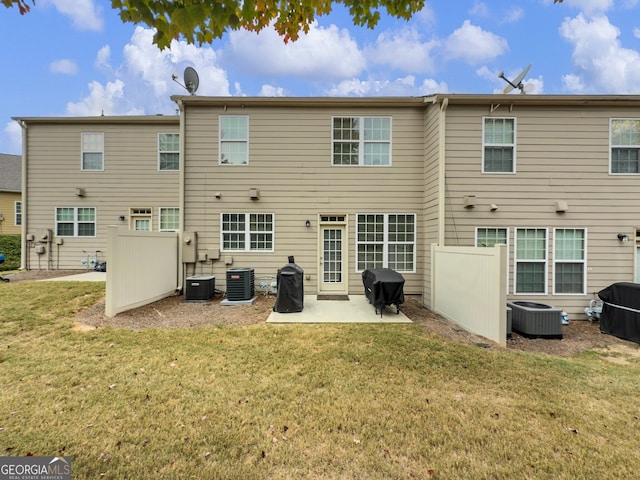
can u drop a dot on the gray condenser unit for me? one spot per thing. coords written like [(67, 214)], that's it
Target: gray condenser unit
[(240, 284)]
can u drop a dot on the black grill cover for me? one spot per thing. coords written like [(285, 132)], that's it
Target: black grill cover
[(290, 294), (383, 286), (621, 311)]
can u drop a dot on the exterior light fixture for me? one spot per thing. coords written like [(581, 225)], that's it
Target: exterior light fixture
[(121, 218), (307, 224), (623, 237)]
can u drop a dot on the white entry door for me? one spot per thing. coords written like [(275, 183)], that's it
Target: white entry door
[(332, 259)]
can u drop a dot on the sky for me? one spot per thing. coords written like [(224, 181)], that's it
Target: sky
[(77, 58)]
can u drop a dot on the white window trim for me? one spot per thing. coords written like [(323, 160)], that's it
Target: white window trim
[(545, 261), (386, 242), (169, 151), (82, 152), (583, 261), (160, 210), (75, 223), (612, 146), (17, 214), (247, 232), (475, 242), (515, 143), (220, 141), (362, 141)]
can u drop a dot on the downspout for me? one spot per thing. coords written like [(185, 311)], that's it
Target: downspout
[(442, 137), (181, 201), (23, 197)]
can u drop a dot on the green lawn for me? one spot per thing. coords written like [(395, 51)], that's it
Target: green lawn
[(302, 401)]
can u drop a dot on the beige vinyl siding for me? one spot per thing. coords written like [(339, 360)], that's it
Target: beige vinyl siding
[(130, 180), (562, 154), (290, 162), (431, 193), (8, 210)]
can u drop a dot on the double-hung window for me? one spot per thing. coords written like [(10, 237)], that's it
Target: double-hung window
[(492, 236), (75, 222), (569, 260), (247, 232), (169, 219), (234, 140), (531, 260), (361, 141), (18, 213), (386, 240), (625, 145), (168, 151), (93, 151), (499, 145)]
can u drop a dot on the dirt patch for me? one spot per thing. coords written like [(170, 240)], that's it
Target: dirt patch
[(174, 312)]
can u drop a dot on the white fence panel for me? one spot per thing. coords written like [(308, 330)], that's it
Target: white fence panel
[(469, 288), (142, 268)]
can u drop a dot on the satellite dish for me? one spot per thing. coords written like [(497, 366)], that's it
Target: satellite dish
[(517, 82), (191, 80)]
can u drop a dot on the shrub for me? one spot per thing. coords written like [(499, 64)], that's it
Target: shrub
[(10, 248)]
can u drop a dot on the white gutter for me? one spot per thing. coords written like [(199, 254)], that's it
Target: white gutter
[(23, 197), (181, 200), (442, 137)]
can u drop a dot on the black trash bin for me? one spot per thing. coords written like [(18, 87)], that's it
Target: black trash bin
[(290, 293)]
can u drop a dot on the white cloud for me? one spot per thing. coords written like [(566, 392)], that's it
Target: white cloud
[(405, 86), (12, 138), (601, 63), (514, 14), (324, 53), (474, 45), (64, 66), (143, 83), (84, 14), (479, 9), (271, 91), (404, 51)]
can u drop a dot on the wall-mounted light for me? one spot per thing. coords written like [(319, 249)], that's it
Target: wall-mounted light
[(623, 237), (121, 218), (307, 224)]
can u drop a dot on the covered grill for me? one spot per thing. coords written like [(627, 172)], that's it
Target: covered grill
[(290, 294), (382, 287), (620, 315)]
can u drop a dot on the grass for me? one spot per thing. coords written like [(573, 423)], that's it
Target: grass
[(301, 401)]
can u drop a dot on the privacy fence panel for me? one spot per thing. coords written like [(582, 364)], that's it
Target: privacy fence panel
[(468, 286), (142, 267)]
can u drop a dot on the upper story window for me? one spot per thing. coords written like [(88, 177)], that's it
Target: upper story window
[(93, 151), (531, 260), (386, 240), (499, 145), (75, 222), (361, 141), (168, 151), (18, 213), (625, 144), (247, 232), (169, 219), (234, 140)]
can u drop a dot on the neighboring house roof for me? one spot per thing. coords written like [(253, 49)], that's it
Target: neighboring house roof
[(10, 173)]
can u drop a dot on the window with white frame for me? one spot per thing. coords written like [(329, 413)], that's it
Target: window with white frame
[(361, 141), (169, 219), (386, 240), (75, 222), (625, 145), (18, 213), (492, 236), (499, 145), (168, 151), (234, 140), (140, 219), (93, 151), (531, 260), (247, 232), (569, 260)]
